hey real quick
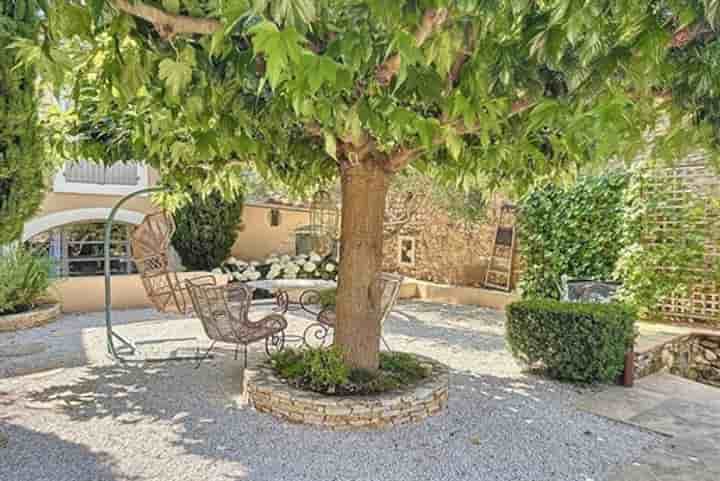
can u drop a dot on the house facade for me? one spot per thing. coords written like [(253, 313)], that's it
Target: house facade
[(70, 225)]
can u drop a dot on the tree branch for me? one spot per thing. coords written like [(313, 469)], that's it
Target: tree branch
[(462, 57), (432, 20), (168, 25), (401, 158)]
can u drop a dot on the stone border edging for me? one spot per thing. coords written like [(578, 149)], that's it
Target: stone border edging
[(39, 316), (269, 394)]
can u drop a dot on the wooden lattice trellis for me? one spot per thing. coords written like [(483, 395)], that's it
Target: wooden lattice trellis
[(682, 184)]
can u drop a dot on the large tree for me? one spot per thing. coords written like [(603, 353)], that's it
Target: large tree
[(498, 92)]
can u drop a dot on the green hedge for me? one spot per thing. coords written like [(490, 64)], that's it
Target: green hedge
[(207, 228), (571, 341), (575, 230)]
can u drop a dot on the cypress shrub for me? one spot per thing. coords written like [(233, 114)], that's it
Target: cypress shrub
[(207, 228), (23, 166)]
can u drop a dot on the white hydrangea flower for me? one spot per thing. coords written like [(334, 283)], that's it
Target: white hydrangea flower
[(309, 267), (330, 267), (285, 258), (272, 275), (216, 271), (254, 263), (231, 260), (237, 276), (255, 275), (315, 258)]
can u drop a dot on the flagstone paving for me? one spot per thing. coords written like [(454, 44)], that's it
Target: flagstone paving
[(686, 412)]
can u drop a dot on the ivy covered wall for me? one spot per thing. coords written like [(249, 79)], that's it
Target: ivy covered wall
[(23, 167), (571, 230)]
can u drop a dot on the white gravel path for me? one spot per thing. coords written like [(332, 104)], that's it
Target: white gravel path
[(87, 419)]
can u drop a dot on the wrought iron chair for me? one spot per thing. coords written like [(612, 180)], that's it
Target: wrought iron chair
[(223, 311), (389, 285)]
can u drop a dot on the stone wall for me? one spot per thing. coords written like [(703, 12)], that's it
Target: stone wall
[(446, 250), (696, 357)]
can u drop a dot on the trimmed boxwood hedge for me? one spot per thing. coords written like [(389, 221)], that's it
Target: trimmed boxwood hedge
[(574, 342)]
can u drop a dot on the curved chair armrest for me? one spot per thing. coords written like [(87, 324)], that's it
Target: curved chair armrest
[(274, 322)]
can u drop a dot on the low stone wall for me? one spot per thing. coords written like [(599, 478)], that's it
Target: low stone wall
[(695, 356), (25, 320), (269, 394)]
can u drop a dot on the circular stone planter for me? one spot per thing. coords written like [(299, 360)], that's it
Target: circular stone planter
[(269, 394), (39, 316)]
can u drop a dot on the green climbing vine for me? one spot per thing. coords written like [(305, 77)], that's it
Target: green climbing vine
[(665, 233)]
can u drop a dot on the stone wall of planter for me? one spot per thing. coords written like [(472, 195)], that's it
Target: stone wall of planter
[(269, 394), (39, 316), (695, 356)]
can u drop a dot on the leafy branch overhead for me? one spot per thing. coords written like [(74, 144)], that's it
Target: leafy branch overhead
[(504, 90)]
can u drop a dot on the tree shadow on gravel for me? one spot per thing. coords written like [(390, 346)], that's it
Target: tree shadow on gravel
[(31, 455), (490, 422)]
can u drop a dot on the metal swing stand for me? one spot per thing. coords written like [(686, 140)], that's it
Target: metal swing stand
[(113, 336)]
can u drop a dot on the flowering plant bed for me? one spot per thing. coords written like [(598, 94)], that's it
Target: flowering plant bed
[(323, 371), (310, 266)]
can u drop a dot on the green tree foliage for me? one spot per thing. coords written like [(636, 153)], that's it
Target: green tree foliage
[(494, 92), (571, 341), (23, 168), (575, 230), (207, 228), (508, 90)]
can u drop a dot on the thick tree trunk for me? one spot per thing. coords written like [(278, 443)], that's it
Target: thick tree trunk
[(364, 188)]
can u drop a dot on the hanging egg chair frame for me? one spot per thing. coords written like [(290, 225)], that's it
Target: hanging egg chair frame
[(112, 336)]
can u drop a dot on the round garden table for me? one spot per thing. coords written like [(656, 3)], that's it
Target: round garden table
[(295, 295)]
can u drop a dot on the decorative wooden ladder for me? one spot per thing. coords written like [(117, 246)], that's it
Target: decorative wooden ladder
[(500, 266)]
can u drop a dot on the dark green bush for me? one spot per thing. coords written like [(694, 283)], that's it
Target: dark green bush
[(575, 231), (207, 228), (571, 341), (323, 370), (24, 279)]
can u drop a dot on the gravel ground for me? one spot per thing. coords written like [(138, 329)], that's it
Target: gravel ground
[(95, 421)]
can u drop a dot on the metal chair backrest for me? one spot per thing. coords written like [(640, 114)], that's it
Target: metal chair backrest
[(211, 303), (390, 291)]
